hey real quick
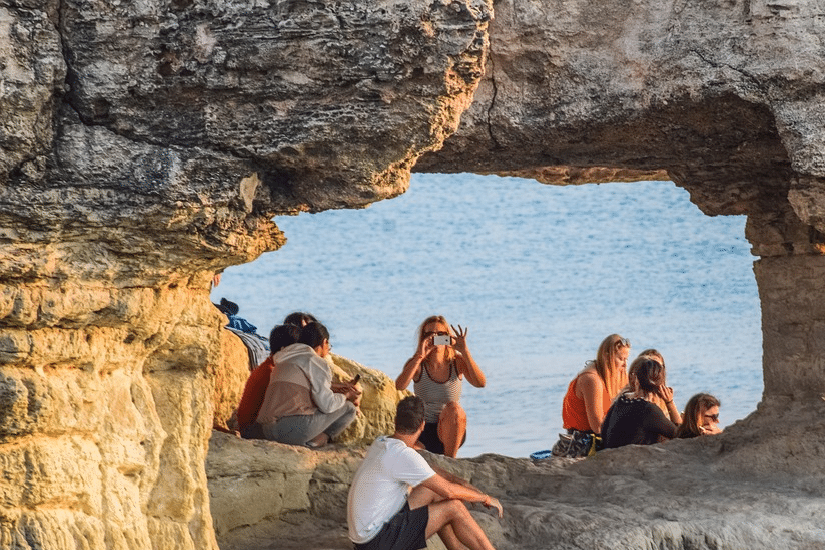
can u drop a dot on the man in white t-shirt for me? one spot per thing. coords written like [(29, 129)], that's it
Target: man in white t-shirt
[(397, 501)]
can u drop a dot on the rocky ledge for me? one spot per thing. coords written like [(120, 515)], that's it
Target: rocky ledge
[(752, 488)]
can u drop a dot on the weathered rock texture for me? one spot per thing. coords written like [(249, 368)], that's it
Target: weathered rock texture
[(726, 98), (145, 145), (735, 492)]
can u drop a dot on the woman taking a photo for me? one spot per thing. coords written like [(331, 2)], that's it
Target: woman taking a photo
[(440, 361)]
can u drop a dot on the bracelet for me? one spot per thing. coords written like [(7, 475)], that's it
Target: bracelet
[(669, 402)]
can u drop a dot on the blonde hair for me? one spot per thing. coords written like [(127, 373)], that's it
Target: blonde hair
[(614, 379)]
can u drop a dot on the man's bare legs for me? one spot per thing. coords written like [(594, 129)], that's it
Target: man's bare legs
[(452, 424), (451, 520)]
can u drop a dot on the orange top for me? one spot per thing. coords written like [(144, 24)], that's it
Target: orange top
[(573, 410), (253, 393)]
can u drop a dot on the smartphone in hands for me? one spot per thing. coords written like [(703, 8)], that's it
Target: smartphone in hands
[(441, 340)]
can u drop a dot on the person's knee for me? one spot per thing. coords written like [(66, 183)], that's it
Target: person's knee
[(352, 410), (348, 413), (453, 411), (457, 510)]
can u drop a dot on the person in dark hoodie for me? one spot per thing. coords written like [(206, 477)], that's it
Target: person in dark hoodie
[(300, 407)]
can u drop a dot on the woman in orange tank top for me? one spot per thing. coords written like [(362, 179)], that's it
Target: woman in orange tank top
[(591, 393)]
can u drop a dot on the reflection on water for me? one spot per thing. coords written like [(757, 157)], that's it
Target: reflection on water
[(539, 274)]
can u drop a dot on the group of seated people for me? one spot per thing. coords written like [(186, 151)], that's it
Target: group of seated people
[(397, 500), (608, 405), (290, 398)]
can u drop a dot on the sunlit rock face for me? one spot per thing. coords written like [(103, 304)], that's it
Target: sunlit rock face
[(145, 145)]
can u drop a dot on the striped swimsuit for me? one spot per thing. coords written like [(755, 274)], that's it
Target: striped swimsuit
[(437, 394)]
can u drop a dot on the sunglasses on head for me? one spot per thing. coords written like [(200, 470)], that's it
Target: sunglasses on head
[(624, 342)]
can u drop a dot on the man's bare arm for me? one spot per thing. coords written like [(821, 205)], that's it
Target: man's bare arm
[(455, 491)]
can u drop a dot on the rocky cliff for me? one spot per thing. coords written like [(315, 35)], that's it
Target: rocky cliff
[(145, 145)]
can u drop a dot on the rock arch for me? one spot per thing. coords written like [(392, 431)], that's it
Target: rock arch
[(145, 145)]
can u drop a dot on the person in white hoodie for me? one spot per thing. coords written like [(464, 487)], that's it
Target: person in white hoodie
[(300, 407)]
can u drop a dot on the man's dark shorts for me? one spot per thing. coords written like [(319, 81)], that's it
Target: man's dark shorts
[(406, 530)]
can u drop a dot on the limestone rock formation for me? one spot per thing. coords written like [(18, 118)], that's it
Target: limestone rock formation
[(146, 145), (378, 400), (229, 379)]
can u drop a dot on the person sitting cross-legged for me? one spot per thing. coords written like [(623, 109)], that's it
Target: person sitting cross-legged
[(255, 387), (300, 406), (397, 501)]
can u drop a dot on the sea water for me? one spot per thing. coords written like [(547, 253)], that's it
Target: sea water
[(539, 275)]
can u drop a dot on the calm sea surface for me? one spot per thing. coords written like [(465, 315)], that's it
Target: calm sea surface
[(539, 274)]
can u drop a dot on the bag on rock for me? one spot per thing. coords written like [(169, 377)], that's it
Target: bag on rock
[(577, 444)]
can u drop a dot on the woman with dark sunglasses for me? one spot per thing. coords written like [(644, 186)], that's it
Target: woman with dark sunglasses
[(701, 417), (441, 360)]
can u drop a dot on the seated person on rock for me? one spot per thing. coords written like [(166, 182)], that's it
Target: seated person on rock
[(397, 501), (633, 419), (300, 407), (255, 389), (669, 408), (300, 319), (591, 393), (441, 359), (701, 417)]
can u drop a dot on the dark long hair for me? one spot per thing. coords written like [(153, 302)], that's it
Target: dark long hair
[(650, 374), (690, 419)]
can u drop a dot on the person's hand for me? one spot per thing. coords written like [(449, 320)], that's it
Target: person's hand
[(710, 429), (345, 387), (460, 338), (666, 393), (491, 502), (353, 394), (425, 347)]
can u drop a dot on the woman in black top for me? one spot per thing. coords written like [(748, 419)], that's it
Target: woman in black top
[(633, 419)]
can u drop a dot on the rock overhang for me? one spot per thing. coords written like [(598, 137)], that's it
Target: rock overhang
[(146, 145)]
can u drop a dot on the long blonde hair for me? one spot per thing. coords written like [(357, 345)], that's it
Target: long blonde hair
[(614, 379)]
